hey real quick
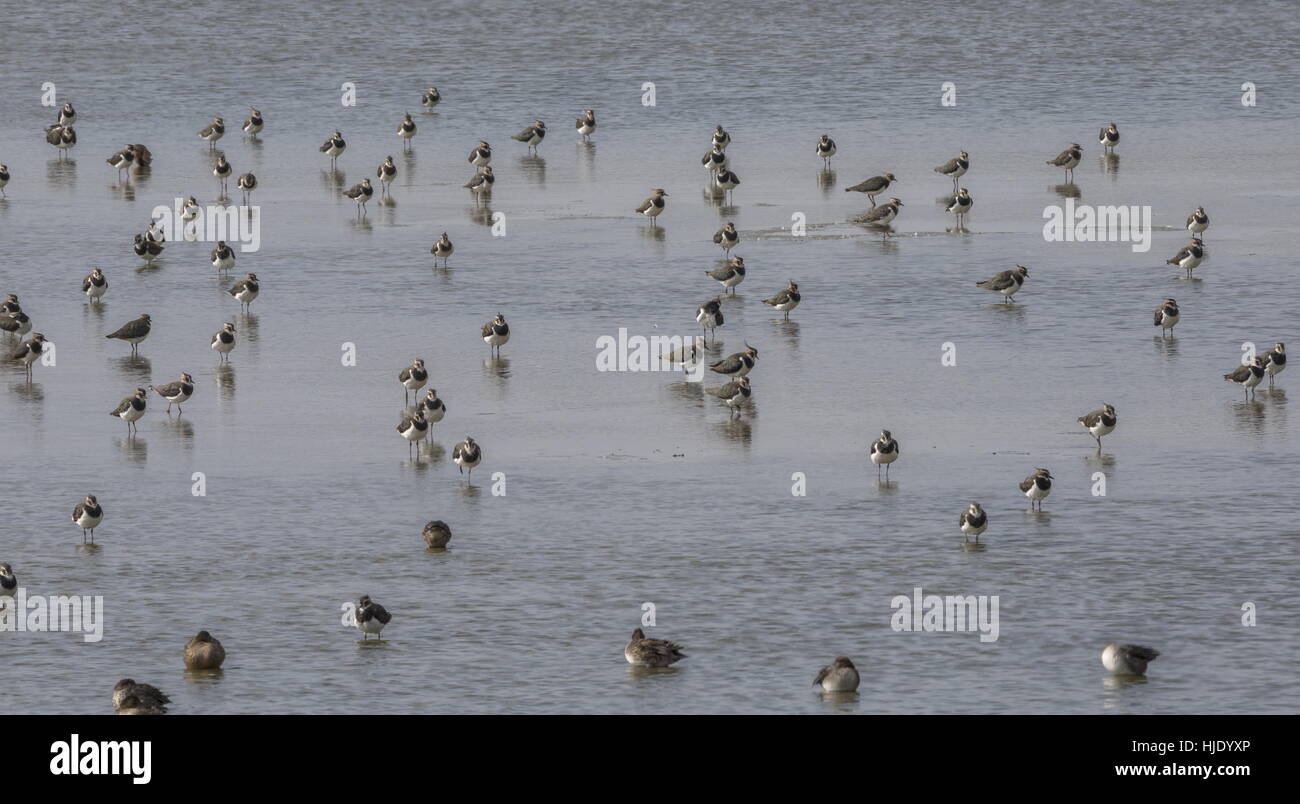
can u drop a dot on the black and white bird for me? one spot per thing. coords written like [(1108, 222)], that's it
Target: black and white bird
[(826, 149), (1127, 660), (467, 455), (1036, 487), (873, 186), (1068, 160), (247, 184), (882, 215), (133, 332), (1006, 282), (1198, 222), (245, 291), (973, 521), (959, 204), (1274, 361), (10, 305), (1248, 376), (1188, 257), (643, 652), (361, 193), (727, 237), (430, 98), (786, 300), (482, 182), (122, 160), (155, 233), (223, 171), (709, 316), (223, 256), (442, 249), (481, 156), (334, 147), (386, 172), (29, 352), (586, 125), (1167, 316), (8, 581), (176, 393), (146, 249), (67, 115), (721, 138), (131, 409), (1108, 138), (129, 696), (224, 342), (413, 428), (4, 180), (61, 137), (496, 333), (436, 535), (1100, 422), (884, 451), (724, 181), (18, 323), (413, 377), (95, 285), (434, 408), (253, 125), (731, 274), (371, 617), (654, 205), (87, 515), (838, 676), (406, 130), (735, 394), (955, 168), (715, 159), (190, 209), (738, 364), (213, 132), (532, 136)]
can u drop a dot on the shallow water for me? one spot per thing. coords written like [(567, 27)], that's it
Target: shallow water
[(312, 499)]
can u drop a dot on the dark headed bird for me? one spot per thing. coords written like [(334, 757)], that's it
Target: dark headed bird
[(1167, 316), (176, 393), (1068, 160), (955, 168), (1248, 376), (1036, 487), (731, 274), (371, 617), (1007, 282), (738, 364), (1108, 138), (532, 136), (786, 300)]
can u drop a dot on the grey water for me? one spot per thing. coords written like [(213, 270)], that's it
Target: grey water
[(622, 489)]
